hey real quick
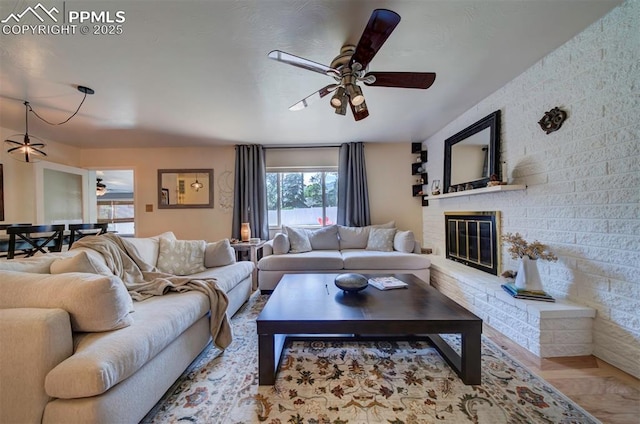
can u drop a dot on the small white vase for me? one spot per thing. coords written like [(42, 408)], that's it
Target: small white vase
[(528, 277)]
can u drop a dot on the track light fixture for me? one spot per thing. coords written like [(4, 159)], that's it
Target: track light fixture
[(27, 151)]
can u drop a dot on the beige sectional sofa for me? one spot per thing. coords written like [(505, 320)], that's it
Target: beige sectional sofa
[(376, 249), (77, 349)]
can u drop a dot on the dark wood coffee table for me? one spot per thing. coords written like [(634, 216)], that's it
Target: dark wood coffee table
[(310, 305)]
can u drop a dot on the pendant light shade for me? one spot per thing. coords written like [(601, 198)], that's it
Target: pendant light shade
[(197, 185), (25, 150)]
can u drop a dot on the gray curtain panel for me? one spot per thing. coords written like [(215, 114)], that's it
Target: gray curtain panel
[(250, 191), (353, 194)]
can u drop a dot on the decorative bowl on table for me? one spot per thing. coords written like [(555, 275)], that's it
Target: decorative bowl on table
[(351, 283)]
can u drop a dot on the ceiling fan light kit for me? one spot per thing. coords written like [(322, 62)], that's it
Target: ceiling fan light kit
[(27, 151), (351, 67)]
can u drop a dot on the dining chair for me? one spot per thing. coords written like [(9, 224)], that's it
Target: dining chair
[(31, 239), (77, 231)]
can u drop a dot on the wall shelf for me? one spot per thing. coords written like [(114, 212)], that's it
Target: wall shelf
[(482, 190)]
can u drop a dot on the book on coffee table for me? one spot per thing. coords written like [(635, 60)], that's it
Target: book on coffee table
[(387, 283)]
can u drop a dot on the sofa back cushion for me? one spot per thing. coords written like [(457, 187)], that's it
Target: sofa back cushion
[(219, 253), (39, 264), (146, 248), (353, 237), (82, 261), (325, 238), (94, 302), (181, 257)]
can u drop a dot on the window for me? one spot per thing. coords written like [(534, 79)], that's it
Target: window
[(302, 197), (119, 214)]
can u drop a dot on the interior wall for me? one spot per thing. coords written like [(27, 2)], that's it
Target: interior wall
[(582, 196), (189, 224), (389, 179), (19, 178)]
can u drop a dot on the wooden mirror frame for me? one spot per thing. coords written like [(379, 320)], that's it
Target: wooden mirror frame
[(206, 177), (491, 121)]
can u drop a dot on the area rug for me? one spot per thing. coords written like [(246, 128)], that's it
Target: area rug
[(357, 382)]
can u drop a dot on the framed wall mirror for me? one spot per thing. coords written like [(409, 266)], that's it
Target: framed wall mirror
[(185, 188), (473, 155)]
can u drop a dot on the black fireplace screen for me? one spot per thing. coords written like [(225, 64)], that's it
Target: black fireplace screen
[(473, 239)]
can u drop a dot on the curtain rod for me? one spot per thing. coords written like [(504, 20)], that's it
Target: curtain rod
[(301, 147)]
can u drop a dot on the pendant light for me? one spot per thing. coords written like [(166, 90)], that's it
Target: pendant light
[(25, 150), (197, 185)]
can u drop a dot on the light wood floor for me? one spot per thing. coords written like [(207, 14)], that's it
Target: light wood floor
[(606, 392)]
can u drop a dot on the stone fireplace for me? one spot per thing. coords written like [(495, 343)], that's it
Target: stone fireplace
[(473, 238)]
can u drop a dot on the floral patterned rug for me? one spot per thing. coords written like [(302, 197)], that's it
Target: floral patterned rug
[(356, 382)]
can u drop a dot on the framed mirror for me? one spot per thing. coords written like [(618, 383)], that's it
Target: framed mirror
[(473, 155), (185, 188)]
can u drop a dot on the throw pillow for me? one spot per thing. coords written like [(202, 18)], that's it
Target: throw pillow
[(82, 262), (219, 253), (381, 239), (353, 237), (299, 239), (181, 257), (325, 238), (280, 244), (404, 241)]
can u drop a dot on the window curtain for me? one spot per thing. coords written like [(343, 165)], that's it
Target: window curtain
[(353, 194), (250, 191)]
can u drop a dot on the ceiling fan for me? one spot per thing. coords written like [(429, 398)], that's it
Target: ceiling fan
[(351, 67)]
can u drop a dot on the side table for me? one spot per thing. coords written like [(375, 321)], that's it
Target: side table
[(255, 251)]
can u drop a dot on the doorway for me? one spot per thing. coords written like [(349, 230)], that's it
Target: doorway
[(115, 200)]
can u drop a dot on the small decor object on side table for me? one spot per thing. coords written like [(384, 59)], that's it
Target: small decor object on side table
[(351, 283), (528, 277)]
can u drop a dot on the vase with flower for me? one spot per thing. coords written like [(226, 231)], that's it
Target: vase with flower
[(528, 277)]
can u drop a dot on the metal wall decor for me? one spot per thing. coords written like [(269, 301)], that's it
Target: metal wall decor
[(552, 120)]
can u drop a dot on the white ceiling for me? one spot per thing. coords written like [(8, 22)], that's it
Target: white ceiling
[(197, 73)]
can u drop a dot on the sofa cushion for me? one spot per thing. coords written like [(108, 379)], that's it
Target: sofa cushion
[(82, 261), (315, 260), (219, 253), (404, 241), (381, 239), (94, 302), (181, 257), (228, 276), (102, 360), (353, 237), (372, 259), (39, 264), (325, 238), (147, 248), (280, 244), (299, 239)]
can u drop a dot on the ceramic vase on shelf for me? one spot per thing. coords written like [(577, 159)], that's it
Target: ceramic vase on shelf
[(528, 277)]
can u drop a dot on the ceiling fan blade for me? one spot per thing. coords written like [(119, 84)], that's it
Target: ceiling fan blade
[(36, 144), (38, 152), (301, 62), (363, 113), (14, 142), (402, 79), (313, 97), (380, 26)]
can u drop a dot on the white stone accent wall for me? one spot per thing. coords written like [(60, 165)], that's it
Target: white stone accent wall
[(583, 181), (546, 329)]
